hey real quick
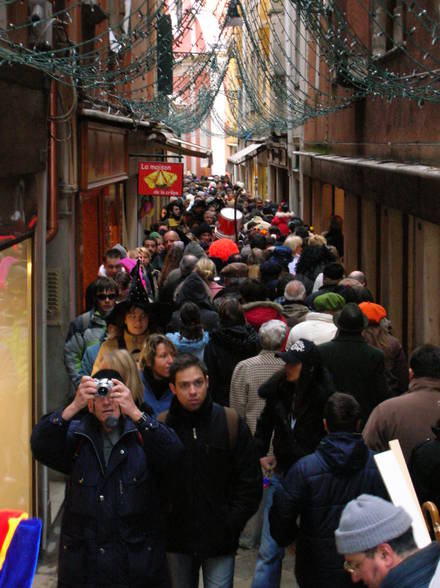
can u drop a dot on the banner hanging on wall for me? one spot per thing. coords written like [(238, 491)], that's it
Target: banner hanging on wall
[(160, 179)]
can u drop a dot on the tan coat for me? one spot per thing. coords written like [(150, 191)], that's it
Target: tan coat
[(133, 344)]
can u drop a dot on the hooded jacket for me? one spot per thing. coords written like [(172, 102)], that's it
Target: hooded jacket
[(194, 346), (316, 326), (227, 346), (194, 289), (294, 311), (84, 331), (317, 488), (258, 313)]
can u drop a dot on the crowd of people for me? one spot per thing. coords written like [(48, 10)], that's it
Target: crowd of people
[(208, 367)]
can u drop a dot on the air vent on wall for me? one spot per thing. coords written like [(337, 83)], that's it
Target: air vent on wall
[(53, 297)]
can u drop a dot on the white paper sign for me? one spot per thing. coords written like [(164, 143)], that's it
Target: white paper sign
[(401, 494)]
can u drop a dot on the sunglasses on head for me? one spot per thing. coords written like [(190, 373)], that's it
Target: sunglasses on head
[(106, 296)]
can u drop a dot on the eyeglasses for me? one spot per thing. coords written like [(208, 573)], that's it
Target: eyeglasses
[(103, 297), (354, 567)]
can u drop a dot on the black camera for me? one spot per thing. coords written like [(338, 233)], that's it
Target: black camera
[(103, 386)]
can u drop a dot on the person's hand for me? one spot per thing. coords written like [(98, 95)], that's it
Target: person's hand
[(123, 397), (86, 391), (291, 549), (268, 463)]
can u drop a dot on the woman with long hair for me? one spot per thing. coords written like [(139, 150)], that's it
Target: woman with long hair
[(157, 355), (377, 335), (191, 338), (123, 362), (171, 262)]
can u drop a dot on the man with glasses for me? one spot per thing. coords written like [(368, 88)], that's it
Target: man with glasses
[(88, 328), (377, 541)]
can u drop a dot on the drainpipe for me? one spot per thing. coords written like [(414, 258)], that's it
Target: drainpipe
[(52, 205)]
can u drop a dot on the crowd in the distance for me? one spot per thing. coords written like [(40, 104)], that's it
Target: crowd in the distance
[(217, 353)]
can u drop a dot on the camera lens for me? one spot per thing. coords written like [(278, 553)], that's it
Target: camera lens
[(102, 391)]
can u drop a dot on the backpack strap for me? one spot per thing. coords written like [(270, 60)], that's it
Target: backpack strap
[(232, 424)]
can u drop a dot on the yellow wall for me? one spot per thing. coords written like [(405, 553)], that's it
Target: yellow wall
[(16, 378)]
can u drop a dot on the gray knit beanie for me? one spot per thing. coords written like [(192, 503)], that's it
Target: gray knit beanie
[(369, 521)]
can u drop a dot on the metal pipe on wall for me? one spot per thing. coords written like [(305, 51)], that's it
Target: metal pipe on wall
[(52, 205), (40, 342)]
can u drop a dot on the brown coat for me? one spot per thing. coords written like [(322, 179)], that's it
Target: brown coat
[(408, 418)]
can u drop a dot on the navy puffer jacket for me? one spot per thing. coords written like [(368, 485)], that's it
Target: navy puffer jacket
[(317, 488), (112, 528)]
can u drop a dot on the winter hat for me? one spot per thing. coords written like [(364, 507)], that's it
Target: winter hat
[(283, 254), (298, 352), (235, 270), (369, 521), (121, 249), (223, 248), (193, 289), (193, 248), (351, 319), (374, 312), (329, 301)]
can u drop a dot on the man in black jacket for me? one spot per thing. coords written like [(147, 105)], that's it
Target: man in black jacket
[(112, 530), (357, 368), (295, 399), (218, 487)]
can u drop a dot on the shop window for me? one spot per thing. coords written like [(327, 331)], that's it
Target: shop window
[(18, 210), (15, 376)]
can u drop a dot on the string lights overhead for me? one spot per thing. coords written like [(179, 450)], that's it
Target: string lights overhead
[(281, 63)]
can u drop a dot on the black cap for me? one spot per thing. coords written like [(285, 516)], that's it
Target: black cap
[(298, 352)]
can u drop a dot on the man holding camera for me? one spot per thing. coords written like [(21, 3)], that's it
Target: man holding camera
[(111, 532)]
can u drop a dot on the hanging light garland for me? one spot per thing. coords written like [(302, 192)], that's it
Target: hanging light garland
[(266, 86)]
